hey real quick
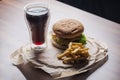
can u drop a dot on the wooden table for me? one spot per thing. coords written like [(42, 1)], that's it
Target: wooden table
[(13, 34)]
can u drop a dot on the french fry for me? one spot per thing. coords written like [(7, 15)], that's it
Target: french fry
[(75, 50), (70, 45), (63, 54), (67, 60), (74, 53)]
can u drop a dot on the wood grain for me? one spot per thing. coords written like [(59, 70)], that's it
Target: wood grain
[(13, 34)]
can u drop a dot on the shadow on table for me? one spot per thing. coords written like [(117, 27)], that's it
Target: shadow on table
[(38, 74)]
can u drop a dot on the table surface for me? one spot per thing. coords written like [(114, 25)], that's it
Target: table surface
[(13, 34)]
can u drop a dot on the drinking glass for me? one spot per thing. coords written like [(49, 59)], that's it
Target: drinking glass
[(37, 18)]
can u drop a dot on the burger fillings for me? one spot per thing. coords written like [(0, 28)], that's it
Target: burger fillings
[(66, 31)]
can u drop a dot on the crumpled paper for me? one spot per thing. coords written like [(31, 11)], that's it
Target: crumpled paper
[(48, 61)]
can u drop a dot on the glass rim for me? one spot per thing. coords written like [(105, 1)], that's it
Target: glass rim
[(42, 4)]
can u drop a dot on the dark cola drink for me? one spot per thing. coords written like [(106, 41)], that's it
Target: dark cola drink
[(37, 19)]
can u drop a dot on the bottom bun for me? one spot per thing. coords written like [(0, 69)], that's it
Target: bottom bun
[(59, 46)]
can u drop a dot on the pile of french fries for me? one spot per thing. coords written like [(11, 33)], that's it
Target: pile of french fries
[(74, 53)]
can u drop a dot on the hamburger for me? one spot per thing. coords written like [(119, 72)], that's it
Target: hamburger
[(66, 31)]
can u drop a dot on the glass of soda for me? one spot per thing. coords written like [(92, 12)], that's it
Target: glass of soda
[(37, 18)]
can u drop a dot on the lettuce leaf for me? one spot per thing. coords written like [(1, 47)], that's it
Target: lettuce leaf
[(83, 39)]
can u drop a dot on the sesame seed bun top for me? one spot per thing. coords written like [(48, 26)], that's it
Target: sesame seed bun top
[(68, 28)]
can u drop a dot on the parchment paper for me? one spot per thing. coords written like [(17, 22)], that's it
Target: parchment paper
[(48, 61)]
